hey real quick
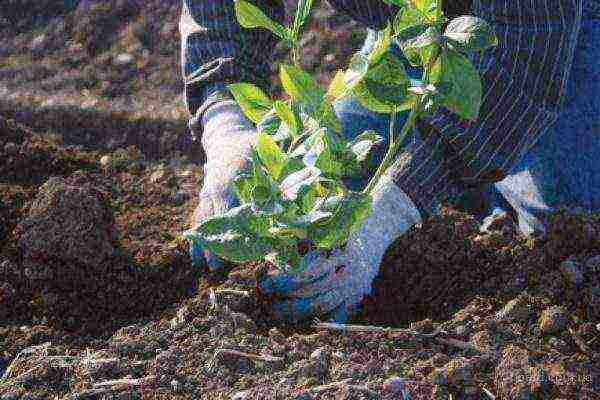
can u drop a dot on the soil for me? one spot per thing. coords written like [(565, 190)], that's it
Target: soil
[(473, 307)]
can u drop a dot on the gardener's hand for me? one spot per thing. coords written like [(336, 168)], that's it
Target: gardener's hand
[(228, 137), (335, 285)]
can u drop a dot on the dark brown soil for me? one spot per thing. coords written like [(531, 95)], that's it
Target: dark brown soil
[(62, 108), (438, 269)]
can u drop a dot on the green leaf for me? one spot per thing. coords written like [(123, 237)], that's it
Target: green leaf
[(253, 101), (321, 155), (408, 18), (243, 184), (348, 213), (330, 120), (302, 13), (302, 88), (292, 184), (431, 9), (398, 3), (420, 49), (269, 123), (288, 117), (454, 70), (337, 87), (363, 143), (382, 46), (385, 88), (357, 70), (469, 33), (250, 16), (264, 201), (237, 236), (270, 155)]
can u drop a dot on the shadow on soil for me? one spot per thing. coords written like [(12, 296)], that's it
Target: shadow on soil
[(96, 130)]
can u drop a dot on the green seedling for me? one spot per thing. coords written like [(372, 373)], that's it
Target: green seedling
[(294, 187)]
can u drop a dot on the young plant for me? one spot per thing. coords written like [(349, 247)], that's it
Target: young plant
[(294, 189)]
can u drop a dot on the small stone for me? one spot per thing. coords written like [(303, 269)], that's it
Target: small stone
[(186, 173), (342, 356), (10, 396), (37, 44), (105, 161), (285, 382), (319, 354), (243, 395), (158, 176), (598, 327), (123, 59), (10, 148), (573, 272), (516, 310), (175, 385), (552, 320), (471, 390), (425, 326), (275, 334)]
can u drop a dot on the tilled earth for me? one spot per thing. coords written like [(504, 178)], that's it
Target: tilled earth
[(475, 313), (475, 316)]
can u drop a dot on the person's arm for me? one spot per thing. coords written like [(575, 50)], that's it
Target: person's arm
[(375, 14), (524, 80), (216, 50)]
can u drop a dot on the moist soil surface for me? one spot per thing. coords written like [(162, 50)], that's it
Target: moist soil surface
[(475, 315)]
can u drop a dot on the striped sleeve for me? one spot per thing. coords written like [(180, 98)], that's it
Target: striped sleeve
[(372, 13), (216, 50), (524, 81)]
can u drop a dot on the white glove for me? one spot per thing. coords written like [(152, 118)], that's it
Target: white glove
[(336, 285)]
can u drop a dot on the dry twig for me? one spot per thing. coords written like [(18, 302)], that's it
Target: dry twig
[(367, 328), (255, 357), (30, 350), (244, 293), (128, 382)]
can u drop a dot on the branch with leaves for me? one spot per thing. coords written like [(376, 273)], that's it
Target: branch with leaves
[(294, 188)]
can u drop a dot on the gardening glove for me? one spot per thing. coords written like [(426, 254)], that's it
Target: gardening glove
[(336, 284), (227, 138)]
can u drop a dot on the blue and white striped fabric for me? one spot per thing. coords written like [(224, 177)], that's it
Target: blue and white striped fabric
[(524, 83)]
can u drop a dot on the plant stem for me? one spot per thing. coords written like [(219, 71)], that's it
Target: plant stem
[(296, 55), (394, 145)]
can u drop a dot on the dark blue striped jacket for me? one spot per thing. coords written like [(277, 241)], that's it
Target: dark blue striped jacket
[(524, 82)]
